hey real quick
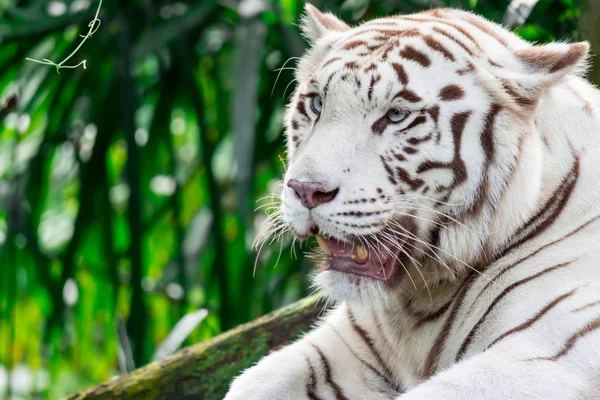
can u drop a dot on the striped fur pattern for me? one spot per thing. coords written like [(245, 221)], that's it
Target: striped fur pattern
[(491, 177)]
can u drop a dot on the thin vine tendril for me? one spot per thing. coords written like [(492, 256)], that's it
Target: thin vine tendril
[(93, 25)]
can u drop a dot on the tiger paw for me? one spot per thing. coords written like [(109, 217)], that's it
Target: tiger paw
[(276, 377)]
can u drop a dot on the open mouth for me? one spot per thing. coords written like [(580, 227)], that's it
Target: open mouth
[(377, 261)]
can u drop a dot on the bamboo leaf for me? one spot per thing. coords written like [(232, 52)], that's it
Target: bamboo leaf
[(179, 333), (175, 28), (126, 363), (13, 31)]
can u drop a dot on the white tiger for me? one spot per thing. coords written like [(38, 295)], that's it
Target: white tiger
[(451, 173)]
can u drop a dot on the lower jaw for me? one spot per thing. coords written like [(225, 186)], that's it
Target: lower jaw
[(389, 272), (357, 290)]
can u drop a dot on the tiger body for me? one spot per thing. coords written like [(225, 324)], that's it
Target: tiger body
[(477, 197)]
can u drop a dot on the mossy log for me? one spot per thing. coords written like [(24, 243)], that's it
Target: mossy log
[(204, 371)]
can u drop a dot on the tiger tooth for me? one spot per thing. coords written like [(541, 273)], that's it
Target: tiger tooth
[(323, 245), (362, 253)]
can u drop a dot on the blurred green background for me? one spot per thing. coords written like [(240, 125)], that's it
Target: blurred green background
[(128, 189)]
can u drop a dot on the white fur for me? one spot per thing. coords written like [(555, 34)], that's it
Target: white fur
[(535, 147)]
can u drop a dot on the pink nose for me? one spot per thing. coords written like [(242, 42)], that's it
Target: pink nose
[(311, 194)]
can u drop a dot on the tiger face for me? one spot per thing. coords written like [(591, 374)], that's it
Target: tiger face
[(395, 161)]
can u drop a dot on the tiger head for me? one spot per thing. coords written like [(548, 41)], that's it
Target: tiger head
[(412, 147)]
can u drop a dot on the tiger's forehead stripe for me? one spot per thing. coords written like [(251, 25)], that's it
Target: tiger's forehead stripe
[(400, 72), (460, 30), (451, 24), (437, 46), (450, 36), (408, 95), (412, 54), (441, 15), (331, 61), (409, 39), (381, 45), (385, 44)]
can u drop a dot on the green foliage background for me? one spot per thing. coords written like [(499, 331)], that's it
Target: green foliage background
[(127, 190)]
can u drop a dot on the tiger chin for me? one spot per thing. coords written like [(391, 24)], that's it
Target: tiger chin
[(450, 173)]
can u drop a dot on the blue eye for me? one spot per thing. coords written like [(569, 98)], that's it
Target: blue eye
[(396, 115), (316, 104)]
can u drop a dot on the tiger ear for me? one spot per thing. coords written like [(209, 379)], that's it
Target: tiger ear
[(555, 60), (316, 24), (541, 67)]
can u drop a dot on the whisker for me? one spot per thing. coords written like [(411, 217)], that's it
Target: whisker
[(268, 206), (420, 196), (427, 220), (423, 207), (287, 86), (397, 259), (280, 70), (417, 263), (427, 254), (279, 255), (443, 251)]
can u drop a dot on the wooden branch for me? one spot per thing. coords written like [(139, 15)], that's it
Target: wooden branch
[(204, 371)]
